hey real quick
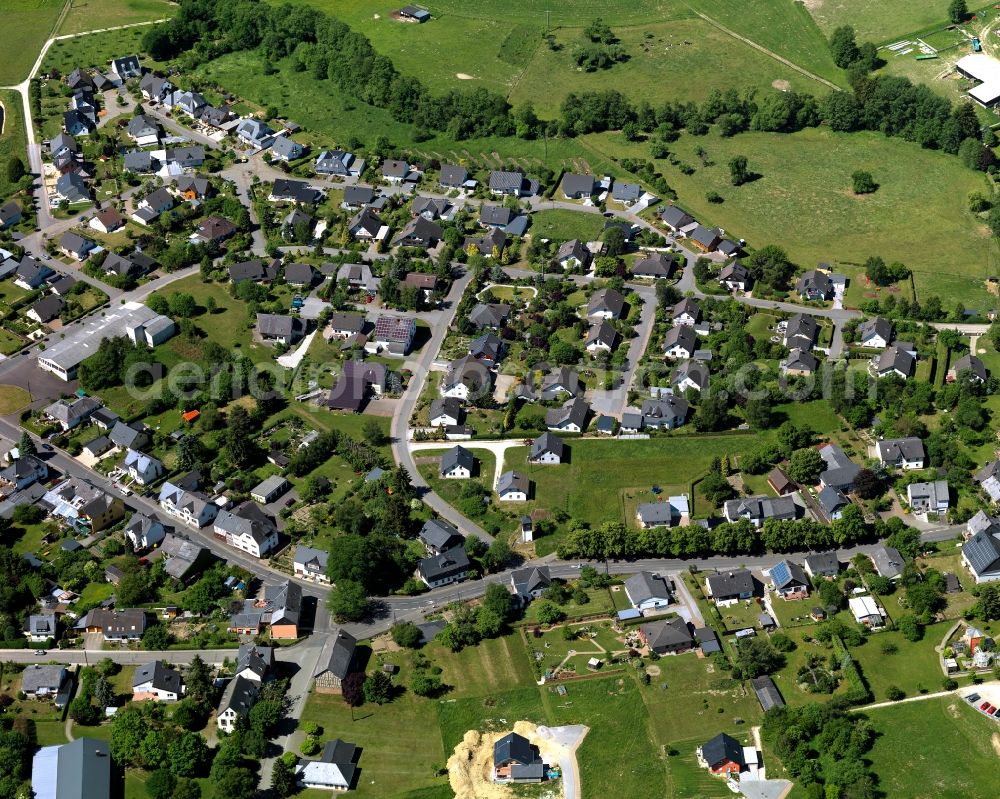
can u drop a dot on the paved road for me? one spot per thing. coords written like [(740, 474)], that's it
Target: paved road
[(406, 404)]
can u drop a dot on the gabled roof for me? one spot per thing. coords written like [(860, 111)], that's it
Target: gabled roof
[(970, 363), (453, 176), (161, 678), (450, 562), (681, 336), (722, 749), (514, 748), (694, 371), (655, 265), (439, 535), (545, 443), (506, 181), (832, 499), (491, 314), (337, 656), (574, 411), (786, 574), (767, 692), (645, 585), (891, 450), (982, 552), (606, 300), (738, 581), (675, 217), (573, 184), (888, 562), (513, 481), (667, 633), (875, 326), (458, 457), (534, 578), (686, 307)]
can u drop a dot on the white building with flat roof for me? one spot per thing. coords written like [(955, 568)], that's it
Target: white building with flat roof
[(985, 69)]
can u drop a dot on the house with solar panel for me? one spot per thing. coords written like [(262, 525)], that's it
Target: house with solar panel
[(788, 580)]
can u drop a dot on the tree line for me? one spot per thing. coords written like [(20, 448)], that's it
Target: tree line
[(329, 50)]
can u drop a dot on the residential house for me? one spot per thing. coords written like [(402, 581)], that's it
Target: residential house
[(814, 285), (78, 123), (255, 133), (759, 509), (489, 315), (294, 191), (70, 414), (191, 507), (142, 469), (788, 580), (832, 501), (310, 564), (489, 245), (487, 349), (344, 325), (185, 157), (397, 172), (144, 130), (130, 436), (279, 328), (516, 760), (157, 681), (735, 277), (799, 363), (626, 193), (395, 334), (866, 611), (419, 232), (680, 342), (705, 239), (899, 359), (284, 149), (358, 197), (667, 636), (822, 564), (75, 246), (513, 487), (42, 627), (301, 276), (971, 367), (676, 219), (184, 558), (601, 337), (800, 332), (10, 214), (929, 497), (901, 453), (840, 471), (155, 88), (215, 116), (453, 177), (337, 660), (238, 699), (690, 376), (126, 67), (686, 312), (445, 412), (255, 270), (731, 586), (42, 681), (648, 592), (530, 583), (356, 383), (887, 562), (547, 449), (192, 187), (336, 767), (438, 537), (723, 754), (339, 163), (457, 464), (151, 332), (83, 505), (576, 186), (254, 663), (451, 566), (981, 556), (430, 208), (509, 183), (24, 471), (367, 226), (107, 220), (668, 412), (662, 514), (875, 333), (144, 532), (573, 254), (606, 303), (559, 383), (656, 265), (213, 230), (72, 188), (115, 625), (570, 418)]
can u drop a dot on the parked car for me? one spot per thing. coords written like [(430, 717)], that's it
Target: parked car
[(40, 652)]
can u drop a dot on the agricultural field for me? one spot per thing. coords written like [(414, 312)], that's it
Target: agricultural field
[(88, 15), (13, 139), (94, 50), (935, 748), (882, 22), (28, 23)]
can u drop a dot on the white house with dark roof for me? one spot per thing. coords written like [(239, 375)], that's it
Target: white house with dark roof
[(901, 453), (648, 592), (310, 564), (449, 567), (156, 681), (513, 487), (457, 464), (547, 449)]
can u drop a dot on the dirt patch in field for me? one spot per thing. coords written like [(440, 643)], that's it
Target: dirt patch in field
[(653, 671), (781, 85), (463, 76), (953, 711), (995, 740)]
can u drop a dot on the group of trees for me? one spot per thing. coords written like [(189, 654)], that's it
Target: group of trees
[(615, 540)]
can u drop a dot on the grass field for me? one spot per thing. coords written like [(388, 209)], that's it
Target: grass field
[(12, 398), (14, 139), (936, 748), (810, 170), (95, 50), (28, 23), (88, 15), (705, 56), (882, 22), (562, 225), (616, 466)]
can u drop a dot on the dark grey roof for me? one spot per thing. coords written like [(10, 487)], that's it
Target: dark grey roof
[(606, 300), (876, 326), (449, 406), (574, 411), (721, 749), (506, 181), (675, 217), (300, 274), (296, 191), (888, 562), (161, 677), (240, 695), (533, 578), (82, 770), (513, 481), (800, 360), (893, 449), (453, 176), (823, 563), (577, 185), (896, 359), (970, 363), (982, 551), (457, 457), (656, 265), (667, 633), (691, 370), (439, 535), (707, 639), (732, 583), (514, 748), (626, 191), (279, 326), (337, 656), (682, 336), (489, 314), (451, 562), (645, 585), (358, 195), (832, 499), (786, 574), (547, 442), (48, 308), (495, 215), (669, 409), (706, 237), (767, 692)]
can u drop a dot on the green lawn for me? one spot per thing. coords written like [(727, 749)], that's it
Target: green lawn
[(562, 225), (98, 49), (28, 23), (13, 141), (921, 199), (887, 21), (937, 748), (88, 15), (687, 778), (621, 469), (913, 666), (495, 712), (493, 665)]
